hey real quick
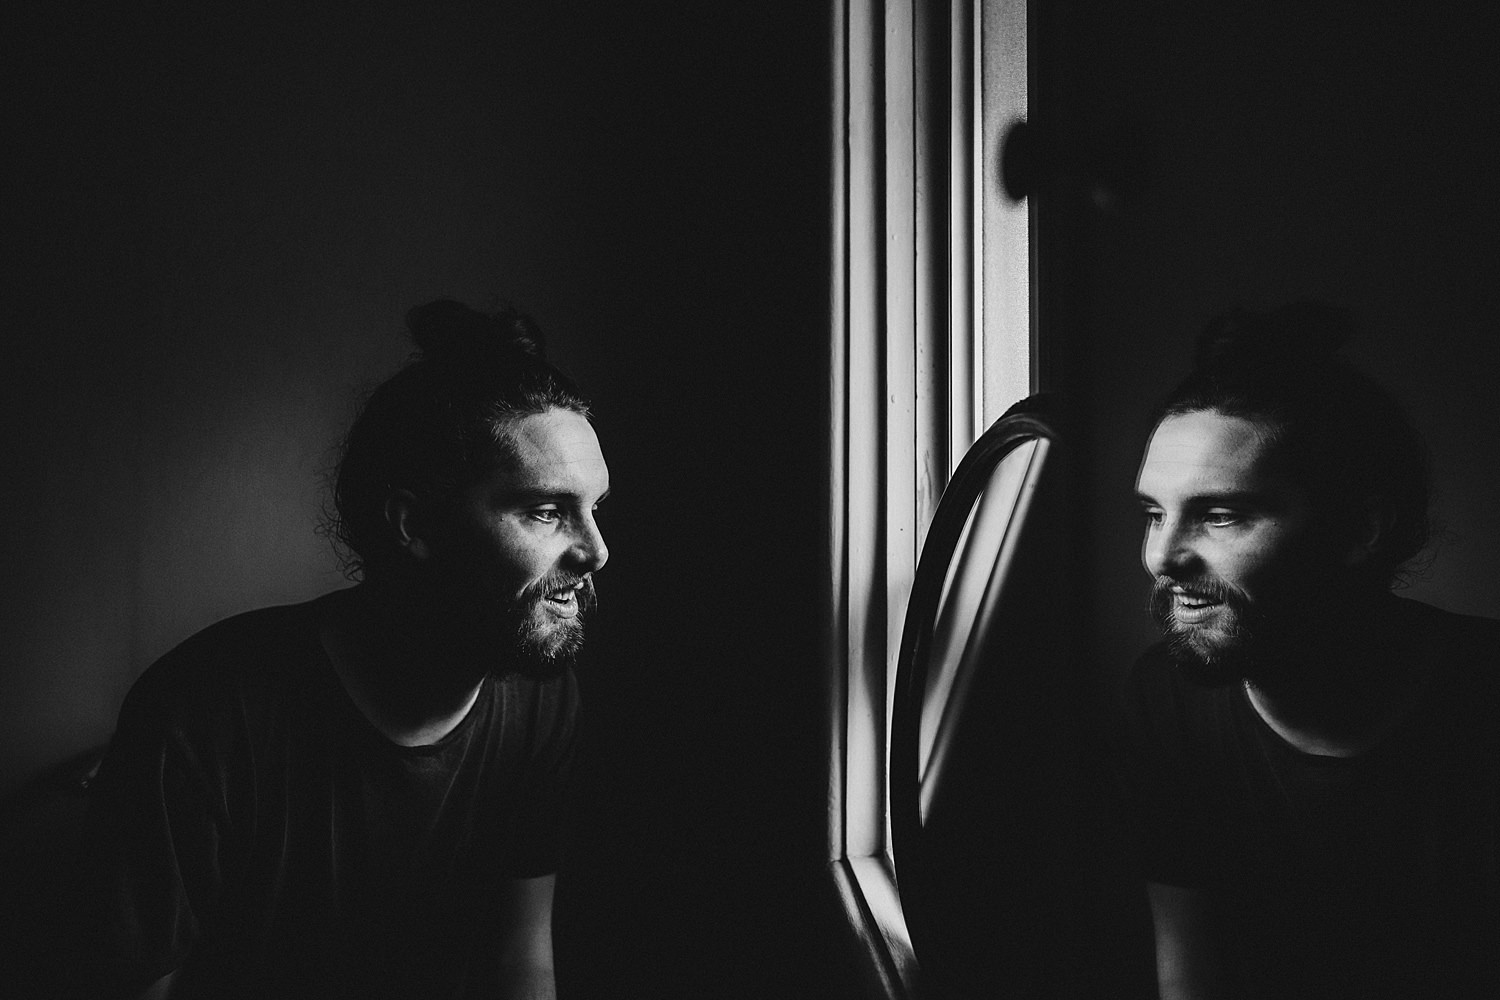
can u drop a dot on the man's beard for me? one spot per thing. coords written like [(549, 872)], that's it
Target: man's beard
[(475, 624), (543, 644), (1240, 642)]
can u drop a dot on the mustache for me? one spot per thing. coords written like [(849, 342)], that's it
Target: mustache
[(1208, 587), (1159, 603)]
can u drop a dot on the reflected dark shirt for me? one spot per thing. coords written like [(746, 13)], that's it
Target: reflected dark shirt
[(1363, 876)]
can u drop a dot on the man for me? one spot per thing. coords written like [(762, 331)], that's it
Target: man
[(360, 795), (1313, 761)]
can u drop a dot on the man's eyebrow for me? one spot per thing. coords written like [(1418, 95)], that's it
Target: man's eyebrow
[(542, 493), (1224, 498), (1231, 498)]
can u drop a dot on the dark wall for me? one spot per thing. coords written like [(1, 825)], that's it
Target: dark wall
[(222, 219), (1252, 155)]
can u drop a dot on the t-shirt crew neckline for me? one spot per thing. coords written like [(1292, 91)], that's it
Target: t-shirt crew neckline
[(350, 712), (1265, 732)]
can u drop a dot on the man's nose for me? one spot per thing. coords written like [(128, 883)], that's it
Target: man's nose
[(589, 550), (1168, 550)]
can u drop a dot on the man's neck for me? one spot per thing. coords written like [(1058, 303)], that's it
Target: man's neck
[(1348, 687), (404, 683)]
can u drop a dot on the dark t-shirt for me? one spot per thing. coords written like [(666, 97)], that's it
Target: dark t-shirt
[(1372, 875), (251, 826)]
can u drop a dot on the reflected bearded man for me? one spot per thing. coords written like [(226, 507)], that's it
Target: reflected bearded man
[(1313, 762), (362, 795)]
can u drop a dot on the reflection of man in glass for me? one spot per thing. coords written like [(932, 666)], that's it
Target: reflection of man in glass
[(360, 796), (1313, 761)]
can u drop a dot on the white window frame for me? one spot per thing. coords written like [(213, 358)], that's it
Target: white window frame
[(932, 339)]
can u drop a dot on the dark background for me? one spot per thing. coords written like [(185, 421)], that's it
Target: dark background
[(219, 218)]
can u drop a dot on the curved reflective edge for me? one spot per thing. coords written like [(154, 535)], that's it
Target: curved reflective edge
[(1036, 417)]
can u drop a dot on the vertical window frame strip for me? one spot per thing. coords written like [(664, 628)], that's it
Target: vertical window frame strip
[(836, 636), (903, 274), (933, 193), (965, 407), (858, 581), (864, 608), (1007, 329)]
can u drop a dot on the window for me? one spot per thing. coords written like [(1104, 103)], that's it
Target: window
[(931, 341)]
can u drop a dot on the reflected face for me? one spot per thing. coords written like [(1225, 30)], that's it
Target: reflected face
[(519, 548), (1227, 540)]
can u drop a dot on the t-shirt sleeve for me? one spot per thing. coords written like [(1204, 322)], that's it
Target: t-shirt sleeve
[(1171, 814), (151, 851)]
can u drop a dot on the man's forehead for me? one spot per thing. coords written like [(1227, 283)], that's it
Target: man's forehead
[(555, 451), (555, 433), (1207, 451)]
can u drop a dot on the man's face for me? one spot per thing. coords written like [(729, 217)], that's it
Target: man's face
[(518, 549), (1227, 541)]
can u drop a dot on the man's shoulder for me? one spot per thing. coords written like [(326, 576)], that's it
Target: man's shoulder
[(1462, 657), (223, 662), (1463, 649), (1449, 626), (220, 700)]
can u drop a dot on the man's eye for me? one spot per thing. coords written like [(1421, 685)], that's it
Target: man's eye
[(546, 515), (1221, 518), (1151, 514)]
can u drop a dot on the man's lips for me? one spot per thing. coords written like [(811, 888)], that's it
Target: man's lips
[(563, 601), (1190, 608)]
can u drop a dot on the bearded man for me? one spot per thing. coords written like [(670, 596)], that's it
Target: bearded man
[(1313, 762), (360, 796)]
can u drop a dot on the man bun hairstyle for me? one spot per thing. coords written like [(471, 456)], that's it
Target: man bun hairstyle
[(1338, 433), (448, 330), (1269, 344), (441, 422)]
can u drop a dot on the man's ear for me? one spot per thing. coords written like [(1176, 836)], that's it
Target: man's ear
[(404, 524), (1375, 525)]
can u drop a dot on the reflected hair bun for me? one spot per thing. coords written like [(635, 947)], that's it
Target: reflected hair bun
[(449, 331), (1293, 337)]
